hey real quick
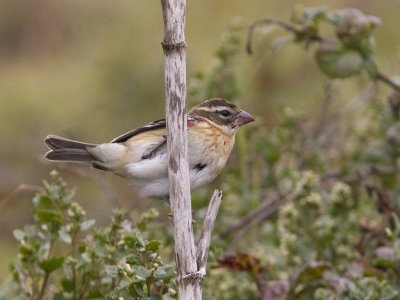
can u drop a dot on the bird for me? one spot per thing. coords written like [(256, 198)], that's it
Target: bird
[(140, 155)]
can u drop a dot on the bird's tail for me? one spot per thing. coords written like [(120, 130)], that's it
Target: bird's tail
[(63, 149)]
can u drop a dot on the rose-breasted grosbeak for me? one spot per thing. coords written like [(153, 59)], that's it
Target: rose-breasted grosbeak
[(140, 155)]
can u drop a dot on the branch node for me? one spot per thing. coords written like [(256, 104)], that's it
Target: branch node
[(170, 46), (194, 277)]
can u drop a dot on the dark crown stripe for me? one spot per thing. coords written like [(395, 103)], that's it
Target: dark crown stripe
[(217, 102)]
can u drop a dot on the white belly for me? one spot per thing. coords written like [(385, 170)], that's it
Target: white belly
[(151, 179), (150, 176)]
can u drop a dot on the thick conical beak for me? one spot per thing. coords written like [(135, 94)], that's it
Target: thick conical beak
[(243, 118)]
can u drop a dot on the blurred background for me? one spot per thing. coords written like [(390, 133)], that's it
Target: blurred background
[(91, 70)]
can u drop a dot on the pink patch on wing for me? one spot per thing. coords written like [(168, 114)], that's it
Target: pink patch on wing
[(191, 122)]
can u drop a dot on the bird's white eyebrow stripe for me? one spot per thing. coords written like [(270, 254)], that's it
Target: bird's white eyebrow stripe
[(214, 107)]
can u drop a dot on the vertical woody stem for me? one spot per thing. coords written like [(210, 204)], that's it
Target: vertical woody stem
[(174, 47)]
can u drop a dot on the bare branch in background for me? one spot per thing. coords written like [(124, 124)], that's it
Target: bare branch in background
[(18, 189), (254, 217), (275, 200)]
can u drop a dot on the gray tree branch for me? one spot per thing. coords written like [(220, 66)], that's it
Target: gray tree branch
[(205, 236), (174, 47), (191, 272)]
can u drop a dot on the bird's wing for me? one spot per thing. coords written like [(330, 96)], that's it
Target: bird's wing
[(151, 126), (150, 139)]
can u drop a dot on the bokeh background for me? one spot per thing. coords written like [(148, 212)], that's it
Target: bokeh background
[(93, 69)]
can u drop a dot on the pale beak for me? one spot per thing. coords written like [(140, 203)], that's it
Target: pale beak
[(243, 118)]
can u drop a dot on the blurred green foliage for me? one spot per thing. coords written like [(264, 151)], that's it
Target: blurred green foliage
[(311, 197), (345, 53), (61, 255), (321, 195)]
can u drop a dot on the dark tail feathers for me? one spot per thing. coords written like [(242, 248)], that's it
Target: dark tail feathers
[(63, 149)]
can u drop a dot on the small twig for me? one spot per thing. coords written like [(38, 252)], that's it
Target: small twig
[(73, 253), (271, 290), (327, 137), (105, 186), (18, 189), (385, 203), (266, 209), (206, 231), (354, 104), (368, 234), (388, 81), (359, 173), (262, 286), (257, 23), (313, 137), (43, 287), (311, 36), (295, 29), (323, 116)]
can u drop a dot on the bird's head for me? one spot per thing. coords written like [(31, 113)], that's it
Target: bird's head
[(223, 114)]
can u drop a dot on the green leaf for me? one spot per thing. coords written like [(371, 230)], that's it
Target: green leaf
[(141, 272), (389, 294), (139, 239), (64, 236), (132, 259), (353, 21), (30, 230), (67, 284), (95, 294), (307, 15), (371, 67), (136, 290), (18, 234), (384, 263), (130, 241), (378, 152), (86, 258), (114, 294), (132, 290), (153, 245), (393, 134), (44, 202), (51, 264), (26, 250), (87, 224), (48, 216), (165, 272), (310, 274), (337, 62), (59, 296), (112, 271)]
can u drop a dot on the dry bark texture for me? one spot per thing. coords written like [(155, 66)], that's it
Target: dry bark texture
[(175, 91), (191, 267)]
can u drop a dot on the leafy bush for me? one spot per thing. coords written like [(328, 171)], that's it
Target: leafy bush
[(317, 199), (63, 256), (311, 206)]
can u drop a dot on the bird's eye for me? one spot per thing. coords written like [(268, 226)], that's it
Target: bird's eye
[(224, 113)]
